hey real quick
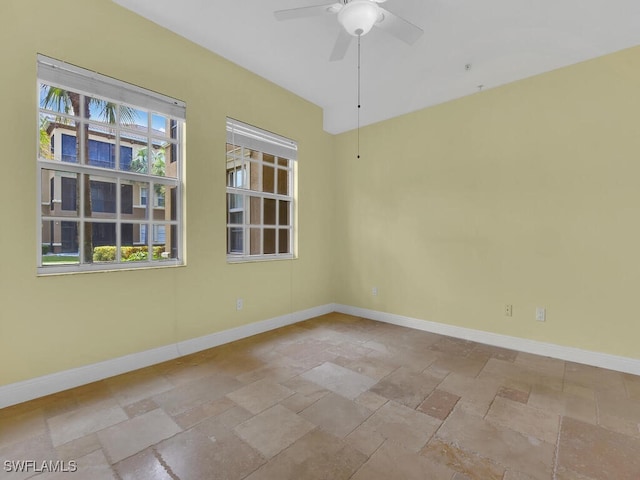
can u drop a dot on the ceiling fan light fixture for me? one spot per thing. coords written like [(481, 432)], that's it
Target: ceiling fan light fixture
[(358, 16)]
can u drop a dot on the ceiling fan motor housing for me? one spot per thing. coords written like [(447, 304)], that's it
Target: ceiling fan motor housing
[(358, 16)]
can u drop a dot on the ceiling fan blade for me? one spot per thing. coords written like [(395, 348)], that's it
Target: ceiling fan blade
[(399, 27), (342, 44), (303, 12)]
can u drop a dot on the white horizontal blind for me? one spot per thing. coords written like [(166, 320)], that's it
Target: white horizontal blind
[(255, 138), (89, 82)]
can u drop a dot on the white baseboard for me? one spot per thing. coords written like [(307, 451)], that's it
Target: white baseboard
[(587, 357), (56, 382)]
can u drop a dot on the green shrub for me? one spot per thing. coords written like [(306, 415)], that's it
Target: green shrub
[(127, 254)]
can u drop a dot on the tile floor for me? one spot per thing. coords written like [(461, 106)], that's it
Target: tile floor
[(337, 397)]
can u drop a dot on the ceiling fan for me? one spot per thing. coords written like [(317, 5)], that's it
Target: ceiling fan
[(357, 17)]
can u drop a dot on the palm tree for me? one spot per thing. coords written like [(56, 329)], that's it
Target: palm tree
[(69, 102)]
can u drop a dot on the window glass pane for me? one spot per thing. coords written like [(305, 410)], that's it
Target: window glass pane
[(103, 199), (160, 125), (131, 250), (59, 243), (158, 159), (59, 100), (255, 241), (69, 194), (50, 142), (235, 213), (255, 210), (254, 176), (159, 192), (283, 182), (269, 211), (267, 158), (235, 238), (101, 110), (235, 175), (268, 179), (283, 162), (139, 153), (171, 247), (103, 241), (269, 241), (134, 119), (173, 203), (284, 208), (283, 241), (101, 152), (126, 198)]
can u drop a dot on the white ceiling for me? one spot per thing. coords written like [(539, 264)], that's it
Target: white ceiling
[(501, 40)]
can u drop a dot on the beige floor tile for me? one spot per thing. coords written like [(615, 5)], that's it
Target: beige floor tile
[(597, 452), (365, 439), (79, 447), (370, 400), (525, 419), (468, 366), (189, 395), (392, 461), (439, 404), (139, 385), (336, 415), (191, 455), (130, 437), (514, 394), (471, 465), (273, 430), (83, 421), (316, 456), (406, 386), (556, 401), (93, 466), (401, 424), (203, 411), (145, 465), (371, 367), (339, 379), (594, 377), (22, 426), (318, 380), (260, 395), (503, 445), (38, 449), (476, 395)]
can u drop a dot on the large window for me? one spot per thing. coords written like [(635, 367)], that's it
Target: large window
[(260, 200), (104, 145)]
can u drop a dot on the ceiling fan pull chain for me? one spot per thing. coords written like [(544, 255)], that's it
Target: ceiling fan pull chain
[(359, 96)]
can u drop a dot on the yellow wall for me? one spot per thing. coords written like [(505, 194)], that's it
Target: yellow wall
[(526, 194), (49, 324)]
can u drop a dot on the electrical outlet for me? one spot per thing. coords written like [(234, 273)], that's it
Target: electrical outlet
[(239, 303), (374, 291), (541, 314), (508, 310)]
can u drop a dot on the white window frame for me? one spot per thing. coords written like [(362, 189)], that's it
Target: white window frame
[(247, 137), (85, 82)]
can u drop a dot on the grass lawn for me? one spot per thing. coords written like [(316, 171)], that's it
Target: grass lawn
[(52, 259)]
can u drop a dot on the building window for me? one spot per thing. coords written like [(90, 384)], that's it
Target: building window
[(260, 202), (102, 144)]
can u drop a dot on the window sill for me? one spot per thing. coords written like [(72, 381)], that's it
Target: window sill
[(258, 258)]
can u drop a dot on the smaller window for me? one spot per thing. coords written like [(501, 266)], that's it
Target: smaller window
[(260, 201)]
